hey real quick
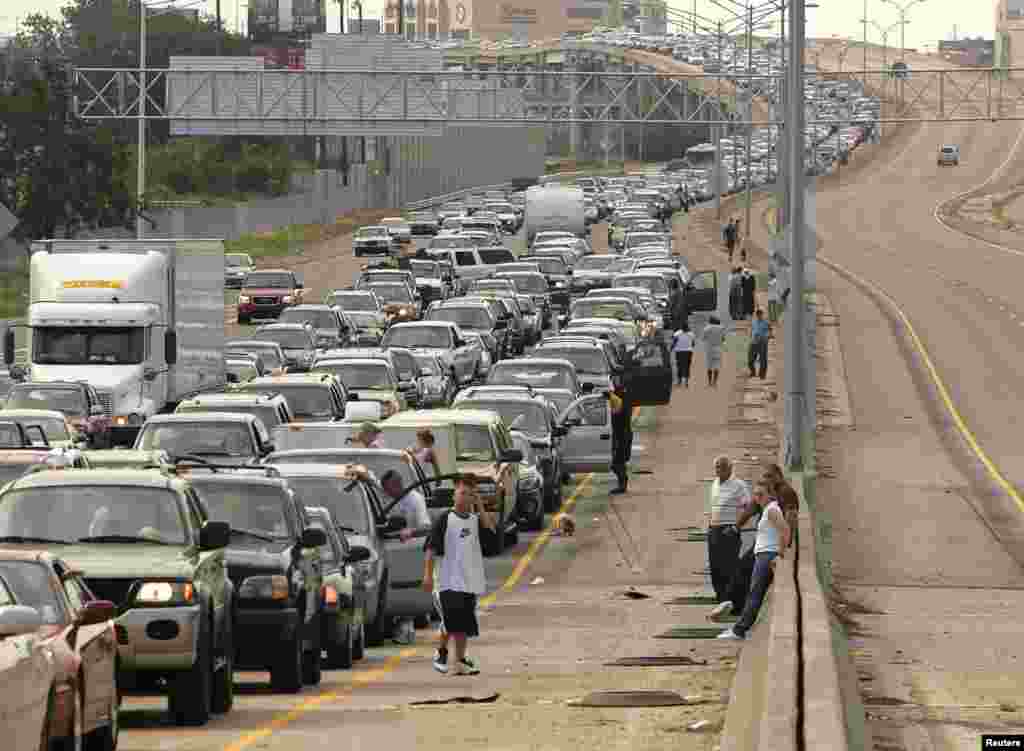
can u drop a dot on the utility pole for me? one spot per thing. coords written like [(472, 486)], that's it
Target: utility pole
[(750, 108), (864, 20), (717, 136), (796, 332), (140, 175), (401, 18)]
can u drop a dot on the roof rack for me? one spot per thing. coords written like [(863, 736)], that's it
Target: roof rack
[(190, 462)]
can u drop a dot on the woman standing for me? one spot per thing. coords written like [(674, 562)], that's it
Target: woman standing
[(773, 537), (682, 347), (713, 336), (424, 451)]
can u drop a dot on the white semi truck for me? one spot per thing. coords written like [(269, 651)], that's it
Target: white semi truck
[(142, 321), (554, 207)]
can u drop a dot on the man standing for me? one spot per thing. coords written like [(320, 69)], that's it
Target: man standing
[(749, 285), (736, 294), (729, 494), (729, 234), (413, 507), (760, 331), (622, 435), (454, 548), (677, 307)]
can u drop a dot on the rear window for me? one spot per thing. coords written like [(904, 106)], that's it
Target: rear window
[(465, 258), (496, 255)]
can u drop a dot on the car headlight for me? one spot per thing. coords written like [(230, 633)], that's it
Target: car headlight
[(287, 299), (164, 593), (264, 588), (244, 298), (133, 420)]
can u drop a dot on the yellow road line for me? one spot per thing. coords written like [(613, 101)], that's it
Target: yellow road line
[(364, 677), (940, 385)]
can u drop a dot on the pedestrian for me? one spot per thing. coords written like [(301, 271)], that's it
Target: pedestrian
[(682, 347), (748, 283), (789, 500), (713, 336), (677, 312), (774, 302), (729, 495), (757, 356), (741, 241), (735, 282), (773, 537), (454, 573), (424, 449), (729, 233), (611, 234), (413, 508), (368, 437), (622, 435), (739, 584)]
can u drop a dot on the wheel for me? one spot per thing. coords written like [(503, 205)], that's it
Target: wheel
[(286, 673), (191, 696), (380, 628), (224, 680), (341, 655), (312, 668), (105, 738), (359, 642)]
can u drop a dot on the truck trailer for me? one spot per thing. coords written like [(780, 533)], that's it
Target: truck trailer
[(554, 207), (142, 321)]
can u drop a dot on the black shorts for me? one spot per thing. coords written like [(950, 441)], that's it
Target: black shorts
[(458, 613)]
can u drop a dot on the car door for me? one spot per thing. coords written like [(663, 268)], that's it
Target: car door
[(96, 647), (702, 292), (406, 562), (464, 360), (649, 374), (587, 447)]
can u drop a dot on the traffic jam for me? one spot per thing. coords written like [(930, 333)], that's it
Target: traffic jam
[(179, 504)]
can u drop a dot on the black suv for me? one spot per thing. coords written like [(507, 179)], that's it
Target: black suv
[(273, 562)]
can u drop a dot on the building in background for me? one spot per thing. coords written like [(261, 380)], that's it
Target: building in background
[(651, 18), (978, 52), (1009, 41), (423, 19), (495, 19), (274, 20)]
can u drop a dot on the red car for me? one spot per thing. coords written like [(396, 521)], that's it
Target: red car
[(79, 630), (266, 292)]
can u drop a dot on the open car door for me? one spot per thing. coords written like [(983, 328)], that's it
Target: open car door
[(587, 447), (649, 375), (701, 293)]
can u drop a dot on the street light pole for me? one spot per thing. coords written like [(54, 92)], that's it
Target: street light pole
[(718, 130), (140, 175), (750, 109), (903, 10)]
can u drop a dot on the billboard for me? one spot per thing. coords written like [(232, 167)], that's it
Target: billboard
[(263, 18), (286, 18)]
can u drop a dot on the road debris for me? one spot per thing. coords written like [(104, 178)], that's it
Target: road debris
[(489, 699)]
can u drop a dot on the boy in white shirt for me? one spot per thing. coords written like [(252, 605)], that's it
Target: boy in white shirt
[(682, 347), (454, 543)]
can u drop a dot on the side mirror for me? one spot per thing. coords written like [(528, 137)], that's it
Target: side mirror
[(313, 537), (18, 372), (214, 535), (17, 620), (395, 523), (171, 347), (511, 456), (96, 611), (357, 554), (587, 388), (9, 347)]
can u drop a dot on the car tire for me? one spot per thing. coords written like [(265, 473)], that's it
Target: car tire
[(191, 698), (286, 672), (359, 642), (312, 666), (243, 320), (341, 655), (224, 680), (379, 628), (105, 738)]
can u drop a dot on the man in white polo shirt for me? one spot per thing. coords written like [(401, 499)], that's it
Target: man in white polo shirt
[(729, 496)]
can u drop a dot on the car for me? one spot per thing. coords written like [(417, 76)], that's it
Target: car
[(236, 267), (267, 292), (242, 366), (272, 562), (949, 154), (56, 427), (271, 409), (400, 302), (28, 672), (142, 540), (313, 396), (369, 276), (592, 272), (222, 437), (442, 338), (530, 490), (401, 359), (297, 340), (534, 285), (558, 274), (433, 281), (366, 379), (87, 409), (15, 434), (437, 381), (79, 630), (374, 240), (399, 228), (639, 296), (127, 459), (590, 360), (472, 316), (424, 223), (271, 353), (330, 329), (344, 617)]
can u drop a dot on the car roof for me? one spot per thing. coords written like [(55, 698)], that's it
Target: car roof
[(59, 477), (415, 418), (192, 417), (309, 306), (198, 475), (289, 379), (337, 471), (273, 271), (27, 555), (281, 327), (397, 453), (537, 361), (243, 396)]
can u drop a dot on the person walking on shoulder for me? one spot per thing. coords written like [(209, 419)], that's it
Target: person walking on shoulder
[(682, 347), (729, 495), (713, 336), (773, 537), (622, 436), (454, 573), (760, 332), (774, 298)]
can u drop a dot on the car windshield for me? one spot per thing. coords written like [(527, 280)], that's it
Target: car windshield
[(441, 243), (418, 337), (393, 293), (366, 374), (465, 317), (269, 280), (55, 428), (349, 302), (321, 319), (428, 365), (305, 401), (347, 507), (594, 263), (287, 338), (490, 286), (31, 584), (598, 308), (69, 401), (425, 269), (550, 265), (496, 255), (622, 266), (586, 361), (198, 438), (245, 506), (529, 284), (233, 261), (267, 353), (106, 345), (106, 513), (538, 375), (364, 320), (473, 444), (523, 416), (654, 284)]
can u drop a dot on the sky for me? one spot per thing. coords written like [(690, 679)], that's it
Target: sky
[(929, 21)]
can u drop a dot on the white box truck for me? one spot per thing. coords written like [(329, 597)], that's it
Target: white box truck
[(554, 207), (142, 321)]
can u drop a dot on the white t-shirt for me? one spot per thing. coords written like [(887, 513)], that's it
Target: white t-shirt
[(462, 566), (773, 290), (682, 341), (413, 506)]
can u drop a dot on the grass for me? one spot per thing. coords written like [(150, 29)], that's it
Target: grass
[(295, 238), (13, 293)]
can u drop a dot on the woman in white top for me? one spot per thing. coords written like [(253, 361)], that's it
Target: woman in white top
[(773, 535), (682, 346), (713, 336)]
